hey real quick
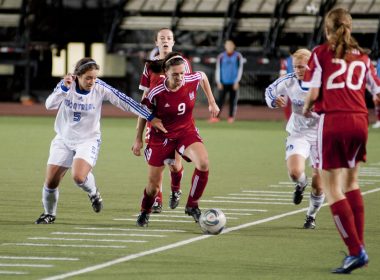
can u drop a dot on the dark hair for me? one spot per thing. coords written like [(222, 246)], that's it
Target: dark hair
[(155, 65), (338, 23), (159, 30), (171, 59), (84, 65)]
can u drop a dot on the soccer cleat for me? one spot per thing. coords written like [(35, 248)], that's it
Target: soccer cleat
[(157, 207), (195, 212), (143, 219), (213, 120), (45, 219), (96, 201), (309, 223), (230, 120), (174, 199), (376, 124), (352, 262), (298, 193)]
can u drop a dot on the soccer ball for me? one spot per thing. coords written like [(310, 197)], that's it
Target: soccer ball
[(212, 221)]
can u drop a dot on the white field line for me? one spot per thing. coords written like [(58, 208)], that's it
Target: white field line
[(271, 192), (13, 272), (86, 239), (252, 198), (281, 186), (38, 258), (25, 265), (178, 244), (64, 245), (131, 229), (261, 195), (107, 234), (155, 220), (247, 202), (224, 209), (172, 216)]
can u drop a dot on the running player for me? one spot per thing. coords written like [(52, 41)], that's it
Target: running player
[(339, 72), (151, 76), (302, 140), (173, 100), (79, 99)]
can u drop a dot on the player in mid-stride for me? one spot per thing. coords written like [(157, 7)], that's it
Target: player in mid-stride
[(78, 98), (173, 101), (339, 72), (302, 140)]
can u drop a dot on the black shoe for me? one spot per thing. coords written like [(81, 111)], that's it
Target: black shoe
[(45, 219), (195, 212), (174, 199), (298, 194), (352, 262), (96, 201), (309, 222), (157, 207), (143, 219)]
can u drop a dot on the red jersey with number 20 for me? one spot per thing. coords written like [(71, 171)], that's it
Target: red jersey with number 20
[(174, 108), (343, 82)]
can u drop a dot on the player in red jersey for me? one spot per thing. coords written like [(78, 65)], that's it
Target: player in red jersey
[(173, 100), (152, 75), (339, 72)]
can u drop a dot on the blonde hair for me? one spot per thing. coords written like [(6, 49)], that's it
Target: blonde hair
[(301, 54), (338, 24)]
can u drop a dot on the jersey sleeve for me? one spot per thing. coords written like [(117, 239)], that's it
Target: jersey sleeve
[(145, 79), (240, 68), (373, 80), (278, 87), (313, 73), (56, 97)]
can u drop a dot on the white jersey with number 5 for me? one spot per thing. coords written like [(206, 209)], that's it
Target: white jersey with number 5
[(79, 111), (289, 86)]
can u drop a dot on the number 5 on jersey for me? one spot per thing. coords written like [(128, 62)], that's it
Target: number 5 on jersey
[(77, 116)]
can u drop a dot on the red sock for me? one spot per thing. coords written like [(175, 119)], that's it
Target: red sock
[(176, 180), (147, 202), (345, 223), (355, 200), (198, 185)]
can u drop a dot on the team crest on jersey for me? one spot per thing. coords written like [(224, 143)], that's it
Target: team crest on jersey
[(192, 95), (167, 105)]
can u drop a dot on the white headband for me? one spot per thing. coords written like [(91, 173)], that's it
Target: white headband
[(87, 63), (176, 56)]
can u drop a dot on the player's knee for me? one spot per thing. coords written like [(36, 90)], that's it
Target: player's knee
[(176, 168), (295, 174), (79, 179), (152, 189), (203, 164)]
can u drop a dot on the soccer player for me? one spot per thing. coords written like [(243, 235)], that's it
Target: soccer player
[(302, 140), (339, 72), (79, 99), (151, 76), (228, 73), (376, 100), (173, 100)]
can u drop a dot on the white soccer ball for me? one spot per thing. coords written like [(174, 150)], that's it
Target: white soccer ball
[(212, 221)]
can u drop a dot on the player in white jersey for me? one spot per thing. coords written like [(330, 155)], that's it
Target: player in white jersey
[(79, 99), (301, 142)]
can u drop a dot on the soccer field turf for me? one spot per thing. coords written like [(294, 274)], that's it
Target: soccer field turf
[(264, 238)]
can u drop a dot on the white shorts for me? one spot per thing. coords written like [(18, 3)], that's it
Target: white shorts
[(301, 146), (63, 155)]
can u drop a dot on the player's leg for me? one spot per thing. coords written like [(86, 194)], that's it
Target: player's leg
[(176, 173), (155, 175), (233, 105), (297, 151), (377, 112), (197, 153), (84, 161), (50, 193), (317, 198)]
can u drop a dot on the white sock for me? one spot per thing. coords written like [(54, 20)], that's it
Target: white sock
[(89, 184), (302, 180), (315, 203), (50, 200)]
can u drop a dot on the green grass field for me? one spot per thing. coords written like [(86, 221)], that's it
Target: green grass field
[(248, 179)]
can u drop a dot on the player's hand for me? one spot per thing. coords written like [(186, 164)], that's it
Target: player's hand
[(214, 110), (235, 86), (68, 79), (137, 146), (219, 86), (307, 112), (157, 124), (280, 101)]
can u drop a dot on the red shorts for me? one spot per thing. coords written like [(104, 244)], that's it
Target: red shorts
[(342, 140), (160, 151)]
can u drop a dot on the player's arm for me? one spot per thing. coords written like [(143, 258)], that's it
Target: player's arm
[(138, 144), (310, 99), (276, 94), (59, 93), (205, 84)]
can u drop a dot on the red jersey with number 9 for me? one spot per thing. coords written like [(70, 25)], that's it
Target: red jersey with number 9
[(343, 82), (174, 108)]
